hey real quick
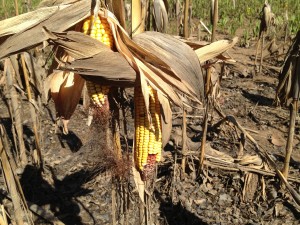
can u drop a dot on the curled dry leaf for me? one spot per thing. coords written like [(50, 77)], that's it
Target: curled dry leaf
[(214, 49), (25, 21), (63, 18), (65, 88), (140, 185), (160, 15), (217, 154), (288, 74), (250, 159)]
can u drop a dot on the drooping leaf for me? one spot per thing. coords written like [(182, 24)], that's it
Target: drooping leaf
[(76, 44), (289, 74), (61, 20), (106, 68), (160, 15), (166, 118), (214, 49), (140, 184), (181, 61), (25, 21)]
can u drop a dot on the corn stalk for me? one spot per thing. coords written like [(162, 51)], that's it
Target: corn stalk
[(137, 20), (21, 212), (184, 137), (4, 9), (15, 112), (16, 7), (215, 20), (266, 20), (186, 19), (33, 113), (293, 115), (287, 93)]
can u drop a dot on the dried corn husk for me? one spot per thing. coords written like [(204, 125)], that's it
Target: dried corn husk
[(289, 81)]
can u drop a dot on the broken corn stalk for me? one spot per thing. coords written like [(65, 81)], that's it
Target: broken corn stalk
[(148, 137)]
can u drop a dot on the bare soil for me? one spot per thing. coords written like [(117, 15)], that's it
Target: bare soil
[(80, 173)]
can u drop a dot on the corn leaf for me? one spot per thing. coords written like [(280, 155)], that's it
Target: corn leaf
[(160, 15), (108, 67), (76, 44), (59, 21), (48, 3), (140, 185), (289, 75), (25, 21), (166, 118), (187, 66), (214, 49)]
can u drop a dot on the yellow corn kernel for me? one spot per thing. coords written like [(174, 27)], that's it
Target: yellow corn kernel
[(99, 29), (98, 93), (148, 141)]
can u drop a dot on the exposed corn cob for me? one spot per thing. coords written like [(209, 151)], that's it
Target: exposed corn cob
[(99, 29), (98, 93), (148, 140)]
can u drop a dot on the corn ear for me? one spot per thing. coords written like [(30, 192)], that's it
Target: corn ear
[(99, 29), (148, 137)]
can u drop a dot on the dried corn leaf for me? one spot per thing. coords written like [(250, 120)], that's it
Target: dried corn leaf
[(158, 83), (140, 184), (250, 159), (59, 21), (76, 44), (267, 18), (214, 49), (160, 16), (180, 62), (93, 58), (277, 140), (166, 118), (213, 153), (250, 186), (214, 84), (48, 3), (106, 68), (152, 68), (25, 21), (3, 217), (288, 77), (12, 182), (200, 44), (194, 44)]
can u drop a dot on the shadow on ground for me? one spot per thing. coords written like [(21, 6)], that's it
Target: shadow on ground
[(60, 196), (177, 214), (258, 99)]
